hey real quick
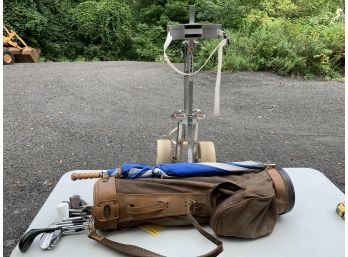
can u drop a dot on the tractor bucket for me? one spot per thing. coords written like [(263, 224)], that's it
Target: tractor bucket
[(28, 54)]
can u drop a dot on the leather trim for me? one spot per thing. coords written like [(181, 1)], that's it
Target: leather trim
[(282, 196), (106, 207), (107, 210), (96, 237), (174, 204)]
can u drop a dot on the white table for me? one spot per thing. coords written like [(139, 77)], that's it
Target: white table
[(312, 228)]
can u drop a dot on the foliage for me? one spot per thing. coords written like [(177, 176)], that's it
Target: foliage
[(295, 37), (104, 28), (282, 37), (147, 42)]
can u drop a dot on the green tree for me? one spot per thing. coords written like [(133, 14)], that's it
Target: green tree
[(105, 27), (301, 37)]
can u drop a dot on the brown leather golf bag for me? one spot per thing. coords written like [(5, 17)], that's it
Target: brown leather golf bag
[(244, 205)]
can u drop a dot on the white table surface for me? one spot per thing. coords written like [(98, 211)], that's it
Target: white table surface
[(311, 229)]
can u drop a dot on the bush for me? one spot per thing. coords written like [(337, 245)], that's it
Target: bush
[(147, 42), (285, 46), (104, 26), (295, 37)]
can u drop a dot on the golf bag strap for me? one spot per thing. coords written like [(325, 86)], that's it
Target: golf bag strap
[(169, 39), (137, 251), (127, 249), (204, 233), (219, 49)]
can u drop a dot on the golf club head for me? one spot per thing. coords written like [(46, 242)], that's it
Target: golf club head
[(45, 240), (56, 236), (28, 238), (49, 240)]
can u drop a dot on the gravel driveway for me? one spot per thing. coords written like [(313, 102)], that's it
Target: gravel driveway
[(60, 117)]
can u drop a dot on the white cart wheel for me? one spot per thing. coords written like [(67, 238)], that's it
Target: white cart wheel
[(164, 151), (206, 152)]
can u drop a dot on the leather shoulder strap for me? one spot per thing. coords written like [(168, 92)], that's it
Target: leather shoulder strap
[(137, 251), (206, 234), (127, 249)]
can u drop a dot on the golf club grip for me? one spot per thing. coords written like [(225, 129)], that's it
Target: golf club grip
[(28, 238), (86, 175)]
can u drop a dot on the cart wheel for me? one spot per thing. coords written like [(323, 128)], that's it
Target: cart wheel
[(206, 152), (8, 57), (164, 151)]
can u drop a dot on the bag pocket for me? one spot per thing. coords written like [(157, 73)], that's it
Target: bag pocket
[(245, 215)]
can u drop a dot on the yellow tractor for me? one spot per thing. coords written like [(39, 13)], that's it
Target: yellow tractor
[(20, 53)]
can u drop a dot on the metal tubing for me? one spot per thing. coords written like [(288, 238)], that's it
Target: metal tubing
[(189, 99), (195, 140), (192, 14), (178, 145), (72, 218), (188, 91), (70, 226), (77, 231), (80, 221), (187, 129), (73, 227), (190, 123)]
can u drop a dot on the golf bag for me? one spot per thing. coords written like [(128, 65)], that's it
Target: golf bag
[(244, 205)]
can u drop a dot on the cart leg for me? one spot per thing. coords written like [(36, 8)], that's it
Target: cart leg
[(190, 142), (195, 139), (180, 137)]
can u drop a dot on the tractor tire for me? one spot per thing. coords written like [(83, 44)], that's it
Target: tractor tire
[(8, 57)]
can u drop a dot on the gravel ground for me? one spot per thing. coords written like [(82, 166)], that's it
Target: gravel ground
[(60, 117)]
